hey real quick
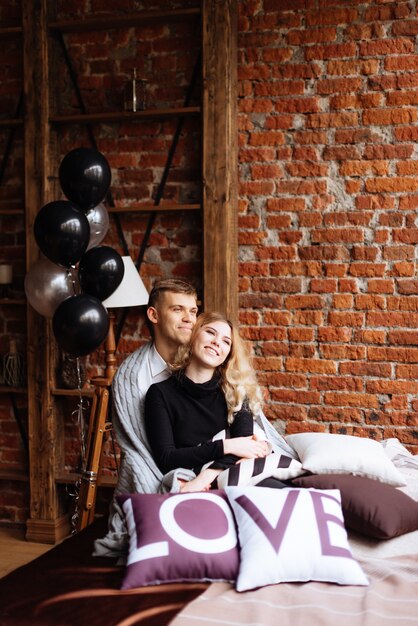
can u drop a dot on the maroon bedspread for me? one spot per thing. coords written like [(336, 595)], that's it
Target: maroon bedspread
[(67, 586)]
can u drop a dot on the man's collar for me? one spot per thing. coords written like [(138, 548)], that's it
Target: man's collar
[(156, 361)]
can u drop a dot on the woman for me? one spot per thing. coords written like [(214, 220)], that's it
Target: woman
[(213, 388)]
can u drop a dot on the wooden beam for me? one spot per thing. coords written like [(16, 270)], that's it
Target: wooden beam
[(46, 522), (126, 116), (135, 20), (220, 161)]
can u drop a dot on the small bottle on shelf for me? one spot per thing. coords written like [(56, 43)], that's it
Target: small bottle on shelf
[(135, 93)]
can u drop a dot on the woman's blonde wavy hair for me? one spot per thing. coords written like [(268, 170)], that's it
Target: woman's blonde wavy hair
[(238, 378)]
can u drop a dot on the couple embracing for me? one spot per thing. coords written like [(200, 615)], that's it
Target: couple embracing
[(187, 407)]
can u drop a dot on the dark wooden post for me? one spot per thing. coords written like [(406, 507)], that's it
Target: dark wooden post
[(46, 523), (220, 161)]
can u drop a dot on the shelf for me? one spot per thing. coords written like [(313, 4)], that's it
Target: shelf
[(70, 478), (88, 393), (18, 390), (13, 301), (4, 212), (125, 116), (10, 31), (149, 208), (14, 474), (10, 123), (123, 21)]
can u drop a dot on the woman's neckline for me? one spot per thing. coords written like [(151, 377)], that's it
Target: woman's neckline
[(198, 388), (199, 375)]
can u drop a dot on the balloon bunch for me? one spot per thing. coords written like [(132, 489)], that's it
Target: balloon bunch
[(68, 232)]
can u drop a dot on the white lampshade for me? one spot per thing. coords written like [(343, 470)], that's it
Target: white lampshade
[(131, 291)]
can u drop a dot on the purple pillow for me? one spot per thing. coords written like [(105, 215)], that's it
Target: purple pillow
[(179, 537), (370, 507)]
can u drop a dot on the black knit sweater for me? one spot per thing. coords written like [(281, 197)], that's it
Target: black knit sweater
[(181, 417)]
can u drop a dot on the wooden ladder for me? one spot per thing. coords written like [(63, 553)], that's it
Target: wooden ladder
[(99, 425)]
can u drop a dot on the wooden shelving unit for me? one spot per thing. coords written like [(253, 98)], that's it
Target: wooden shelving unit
[(12, 474), (10, 31), (15, 390), (48, 519), (149, 208), (11, 123), (11, 208), (12, 212), (70, 478), (87, 393), (13, 301), (126, 116), (124, 21)]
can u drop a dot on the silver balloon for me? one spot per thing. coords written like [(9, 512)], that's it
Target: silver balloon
[(98, 218), (47, 285)]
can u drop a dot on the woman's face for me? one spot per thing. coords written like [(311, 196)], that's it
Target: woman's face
[(212, 344)]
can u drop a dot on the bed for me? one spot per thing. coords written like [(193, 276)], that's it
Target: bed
[(390, 599), (68, 587)]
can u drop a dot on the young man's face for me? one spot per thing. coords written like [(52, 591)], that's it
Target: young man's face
[(174, 317)]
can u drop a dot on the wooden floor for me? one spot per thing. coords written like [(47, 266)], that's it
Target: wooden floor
[(16, 551)]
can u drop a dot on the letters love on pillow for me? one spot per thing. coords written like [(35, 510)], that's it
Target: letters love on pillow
[(291, 535), (179, 537), (285, 535), (276, 534)]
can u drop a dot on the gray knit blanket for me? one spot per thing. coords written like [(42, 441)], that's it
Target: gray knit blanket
[(138, 472)]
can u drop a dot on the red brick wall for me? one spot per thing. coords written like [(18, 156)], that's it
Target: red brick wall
[(328, 220)]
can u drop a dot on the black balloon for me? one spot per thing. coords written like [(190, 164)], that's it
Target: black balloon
[(62, 232), (80, 324), (101, 271), (84, 175)]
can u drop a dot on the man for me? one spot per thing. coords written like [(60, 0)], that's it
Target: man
[(171, 315)]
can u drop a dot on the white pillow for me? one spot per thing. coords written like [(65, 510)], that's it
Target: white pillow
[(291, 535), (325, 453)]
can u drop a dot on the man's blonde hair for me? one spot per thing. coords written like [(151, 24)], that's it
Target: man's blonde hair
[(174, 285)]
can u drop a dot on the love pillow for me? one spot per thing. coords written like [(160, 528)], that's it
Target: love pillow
[(291, 535), (179, 537)]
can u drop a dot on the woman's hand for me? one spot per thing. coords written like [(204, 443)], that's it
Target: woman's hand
[(202, 482), (246, 447)]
